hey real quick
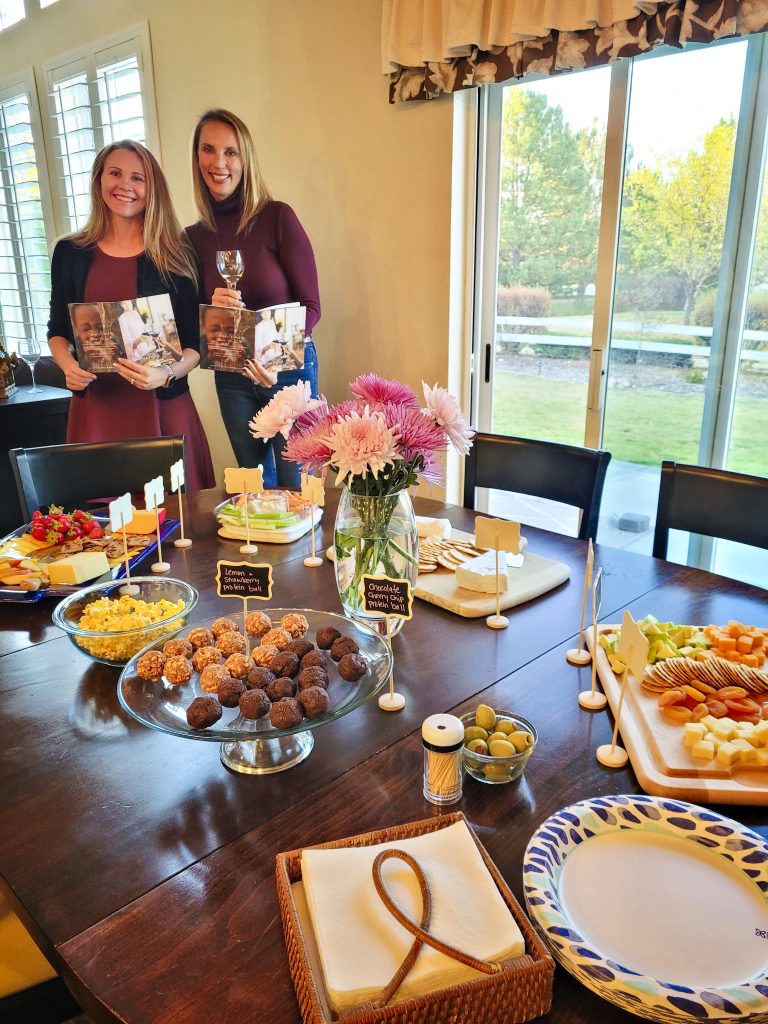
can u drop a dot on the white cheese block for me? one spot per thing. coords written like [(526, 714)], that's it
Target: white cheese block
[(479, 574), (428, 527), (78, 568)]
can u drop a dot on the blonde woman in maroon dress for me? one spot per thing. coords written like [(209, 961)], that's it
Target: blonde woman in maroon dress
[(131, 246)]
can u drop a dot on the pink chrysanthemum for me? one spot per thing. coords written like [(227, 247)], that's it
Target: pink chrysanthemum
[(361, 443), (376, 390), (282, 411), (443, 408), (305, 442), (418, 434)]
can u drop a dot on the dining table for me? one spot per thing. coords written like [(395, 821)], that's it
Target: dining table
[(145, 870)]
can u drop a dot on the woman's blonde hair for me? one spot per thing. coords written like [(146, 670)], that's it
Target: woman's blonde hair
[(255, 194), (164, 241)]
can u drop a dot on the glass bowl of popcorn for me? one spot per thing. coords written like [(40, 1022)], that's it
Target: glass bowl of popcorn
[(112, 621)]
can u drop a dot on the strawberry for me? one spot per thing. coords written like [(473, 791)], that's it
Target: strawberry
[(97, 532)]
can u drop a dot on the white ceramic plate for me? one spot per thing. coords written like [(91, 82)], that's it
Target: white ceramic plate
[(657, 905)]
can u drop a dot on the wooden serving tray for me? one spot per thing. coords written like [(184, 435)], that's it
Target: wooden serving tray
[(663, 766)]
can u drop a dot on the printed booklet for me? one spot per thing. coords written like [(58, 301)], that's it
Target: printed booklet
[(273, 336), (142, 330)]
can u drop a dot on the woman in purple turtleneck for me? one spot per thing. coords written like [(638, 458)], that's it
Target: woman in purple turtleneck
[(237, 212)]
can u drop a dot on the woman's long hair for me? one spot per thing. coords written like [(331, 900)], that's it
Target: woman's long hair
[(255, 194), (164, 241)]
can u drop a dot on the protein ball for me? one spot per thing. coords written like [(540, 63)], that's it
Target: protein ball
[(315, 701), (284, 664), (259, 677), (296, 624), (313, 676), (279, 688), (202, 712), (254, 704), (200, 637), (150, 665), (314, 659), (230, 692), (264, 654), (257, 623), (277, 637), (352, 667), (285, 713), (237, 665), (178, 670), (223, 625), (301, 648), (206, 656), (212, 677), (179, 645), (231, 642), (344, 645), (326, 636)]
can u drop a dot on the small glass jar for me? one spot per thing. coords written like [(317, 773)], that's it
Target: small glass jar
[(442, 737)]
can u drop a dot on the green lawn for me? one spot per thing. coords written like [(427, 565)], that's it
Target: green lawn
[(644, 427)]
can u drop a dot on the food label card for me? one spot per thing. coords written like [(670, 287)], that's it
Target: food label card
[(244, 580), (312, 490), (387, 596), (497, 534), (633, 647), (120, 512), (242, 481)]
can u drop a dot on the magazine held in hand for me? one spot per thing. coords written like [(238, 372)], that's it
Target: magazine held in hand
[(274, 337), (142, 330)]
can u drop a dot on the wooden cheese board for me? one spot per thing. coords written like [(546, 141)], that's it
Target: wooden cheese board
[(663, 766)]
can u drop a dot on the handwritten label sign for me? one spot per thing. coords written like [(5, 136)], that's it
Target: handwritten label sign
[(387, 596), (312, 490), (154, 493), (120, 512), (633, 646), (244, 580), (177, 475), (498, 534), (241, 480)]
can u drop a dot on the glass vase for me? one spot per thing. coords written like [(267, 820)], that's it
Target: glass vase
[(374, 536)]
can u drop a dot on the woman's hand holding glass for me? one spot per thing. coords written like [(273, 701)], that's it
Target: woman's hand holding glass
[(229, 263)]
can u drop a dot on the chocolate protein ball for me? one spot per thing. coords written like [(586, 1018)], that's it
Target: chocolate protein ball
[(279, 688), (223, 625), (296, 624), (284, 664), (312, 676), (301, 648), (178, 670), (326, 636), (237, 665), (231, 642), (254, 704), (202, 712), (212, 677), (285, 713), (277, 637), (259, 677), (200, 637), (257, 623), (150, 665), (179, 645), (263, 654), (316, 658), (230, 692), (206, 656), (315, 701), (352, 667), (344, 645)]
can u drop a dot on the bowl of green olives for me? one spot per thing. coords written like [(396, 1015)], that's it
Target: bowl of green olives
[(497, 745)]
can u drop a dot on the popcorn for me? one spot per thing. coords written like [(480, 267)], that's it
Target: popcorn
[(125, 615)]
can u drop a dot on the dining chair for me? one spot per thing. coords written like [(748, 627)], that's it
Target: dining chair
[(73, 475), (544, 469), (712, 502)]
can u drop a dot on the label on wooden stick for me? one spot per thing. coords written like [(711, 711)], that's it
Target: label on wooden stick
[(244, 580), (386, 596)]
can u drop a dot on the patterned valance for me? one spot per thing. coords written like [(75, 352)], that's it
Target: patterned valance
[(673, 24)]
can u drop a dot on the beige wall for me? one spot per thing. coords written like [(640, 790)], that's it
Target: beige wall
[(370, 182)]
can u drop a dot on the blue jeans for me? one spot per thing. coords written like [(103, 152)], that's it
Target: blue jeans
[(240, 400)]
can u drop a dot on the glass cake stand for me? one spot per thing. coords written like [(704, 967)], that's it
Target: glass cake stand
[(255, 747)]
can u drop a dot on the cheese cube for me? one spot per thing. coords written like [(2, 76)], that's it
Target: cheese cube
[(710, 721), (761, 757), (744, 748), (715, 740), (725, 728), (78, 568), (761, 732), (479, 574), (703, 751), (693, 733), (727, 754)]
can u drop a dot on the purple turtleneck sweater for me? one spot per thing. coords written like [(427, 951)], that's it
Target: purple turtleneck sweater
[(278, 257)]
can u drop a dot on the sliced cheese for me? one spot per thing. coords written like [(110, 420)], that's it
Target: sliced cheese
[(78, 568), (479, 574), (144, 521)]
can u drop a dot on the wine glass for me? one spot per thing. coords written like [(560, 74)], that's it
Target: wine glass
[(29, 351), (229, 263)]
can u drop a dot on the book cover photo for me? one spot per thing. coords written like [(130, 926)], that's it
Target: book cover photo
[(273, 336), (97, 336), (142, 330)]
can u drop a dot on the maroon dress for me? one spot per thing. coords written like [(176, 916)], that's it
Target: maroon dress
[(111, 409)]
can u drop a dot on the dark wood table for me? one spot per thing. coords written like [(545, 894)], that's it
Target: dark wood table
[(145, 870)]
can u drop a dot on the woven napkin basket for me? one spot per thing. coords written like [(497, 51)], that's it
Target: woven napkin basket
[(520, 991)]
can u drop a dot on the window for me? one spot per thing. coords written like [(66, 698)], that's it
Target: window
[(97, 96), (24, 266), (11, 11)]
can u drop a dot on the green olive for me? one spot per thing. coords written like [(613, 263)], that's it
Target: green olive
[(496, 772), (485, 717), (474, 732), (478, 746), (497, 736), (501, 748), (521, 740), (505, 726)]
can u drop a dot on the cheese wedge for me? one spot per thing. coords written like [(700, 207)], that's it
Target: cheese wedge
[(144, 521), (78, 568), (479, 574)]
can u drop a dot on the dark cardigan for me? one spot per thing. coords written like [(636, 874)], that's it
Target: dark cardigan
[(69, 272)]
